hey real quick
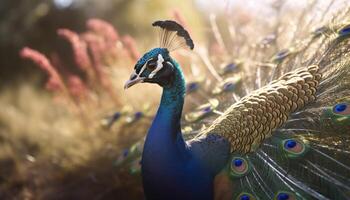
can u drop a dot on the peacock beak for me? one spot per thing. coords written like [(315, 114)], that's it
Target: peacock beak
[(134, 79)]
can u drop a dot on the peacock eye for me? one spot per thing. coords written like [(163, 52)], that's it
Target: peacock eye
[(341, 108), (192, 87), (239, 167), (151, 65), (345, 31), (294, 147), (283, 195), (245, 196)]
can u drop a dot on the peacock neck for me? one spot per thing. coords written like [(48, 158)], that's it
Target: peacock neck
[(164, 142), (173, 96), (169, 168)]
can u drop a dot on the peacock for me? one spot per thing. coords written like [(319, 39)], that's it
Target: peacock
[(281, 131)]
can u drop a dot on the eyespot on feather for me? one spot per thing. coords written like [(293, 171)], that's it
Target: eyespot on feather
[(239, 167), (294, 148)]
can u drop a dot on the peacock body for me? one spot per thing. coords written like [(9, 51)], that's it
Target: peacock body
[(286, 140)]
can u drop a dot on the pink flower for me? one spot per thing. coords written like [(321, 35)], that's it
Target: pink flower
[(76, 87), (55, 82), (130, 45), (98, 53), (53, 85), (79, 46), (97, 49), (104, 29)]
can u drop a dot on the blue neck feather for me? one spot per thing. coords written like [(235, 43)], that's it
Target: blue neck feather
[(164, 137), (169, 169)]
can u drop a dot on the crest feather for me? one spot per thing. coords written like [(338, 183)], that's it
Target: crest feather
[(173, 35)]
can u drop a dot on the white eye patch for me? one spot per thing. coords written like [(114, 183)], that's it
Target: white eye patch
[(159, 66)]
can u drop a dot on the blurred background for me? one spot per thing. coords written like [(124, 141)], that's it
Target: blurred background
[(56, 142), (65, 119)]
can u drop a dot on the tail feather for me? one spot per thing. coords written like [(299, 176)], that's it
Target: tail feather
[(307, 157)]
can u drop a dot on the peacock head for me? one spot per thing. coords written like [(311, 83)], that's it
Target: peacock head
[(156, 66)]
